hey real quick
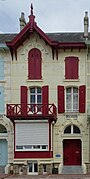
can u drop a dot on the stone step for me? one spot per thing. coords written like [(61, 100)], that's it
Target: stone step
[(72, 170)]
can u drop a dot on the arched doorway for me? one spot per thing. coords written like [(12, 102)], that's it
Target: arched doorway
[(72, 148)]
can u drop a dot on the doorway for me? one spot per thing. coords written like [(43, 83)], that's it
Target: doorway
[(72, 152)]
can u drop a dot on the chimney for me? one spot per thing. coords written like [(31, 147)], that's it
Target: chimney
[(86, 25), (22, 21)]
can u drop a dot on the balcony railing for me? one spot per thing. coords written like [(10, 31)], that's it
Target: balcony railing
[(31, 110)]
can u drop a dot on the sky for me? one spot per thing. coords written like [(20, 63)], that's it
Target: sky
[(50, 15)]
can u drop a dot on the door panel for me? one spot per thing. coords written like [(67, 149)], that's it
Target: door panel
[(72, 152)]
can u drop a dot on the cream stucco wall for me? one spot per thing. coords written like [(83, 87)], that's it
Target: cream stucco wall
[(53, 74)]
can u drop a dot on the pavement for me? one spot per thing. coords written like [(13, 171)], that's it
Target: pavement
[(59, 176)]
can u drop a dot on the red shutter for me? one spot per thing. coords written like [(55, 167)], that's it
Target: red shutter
[(71, 67), (75, 68), (34, 64), (61, 105), (38, 64), (68, 68), (24, 100), (45, 99), (82, 98), (31, 64)]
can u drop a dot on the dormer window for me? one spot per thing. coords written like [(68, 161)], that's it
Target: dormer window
[(34, 64)]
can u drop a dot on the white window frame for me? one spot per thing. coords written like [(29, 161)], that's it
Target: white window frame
[(37, 108), (36, 95), (72, 129), (72, 94), (33, 172)]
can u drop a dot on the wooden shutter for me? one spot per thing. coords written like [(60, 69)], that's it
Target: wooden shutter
[(38, 64), (45, 99), (31, 64), (61, 105), (34, 64), (24, 100), (71, 67), (68, 67), (82, 98), (74, 68)]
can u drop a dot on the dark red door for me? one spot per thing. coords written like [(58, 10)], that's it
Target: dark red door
[(72, 152)]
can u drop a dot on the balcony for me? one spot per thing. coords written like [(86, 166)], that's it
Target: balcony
[(32, 111)]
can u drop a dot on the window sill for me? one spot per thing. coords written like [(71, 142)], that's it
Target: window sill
[(32, 150), (2, 81), (71, 80), (70, 135), (34, 80)]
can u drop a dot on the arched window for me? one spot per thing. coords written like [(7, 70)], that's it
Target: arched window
[(34, 64), (2, 129), (72, 129), (71, 67)]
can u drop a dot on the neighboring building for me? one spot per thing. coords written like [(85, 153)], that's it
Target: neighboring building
[(6, 126), (46, 89)]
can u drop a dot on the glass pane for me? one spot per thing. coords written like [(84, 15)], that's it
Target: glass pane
[(35, 167), (68, 102), (39, 90), (39, 99), (36, 147), (76, 130), (75, 102), (19, 147), (44, 146), (75, 90), (32, 99), (67, 130), (32, 90), (30, 167), (68, 90), (2, 129)]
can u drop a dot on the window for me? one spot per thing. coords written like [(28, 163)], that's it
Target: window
[(36, 101), (33, 167), (71, 67), (2, 129), (44, 168), (75, 99), (72, 99), (34, 64), (35, 95), (36, 98), (31, 136), (72, 129)]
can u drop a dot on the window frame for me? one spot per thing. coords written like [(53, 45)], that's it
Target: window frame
[(72, 94), (72, 127), (35, 94)]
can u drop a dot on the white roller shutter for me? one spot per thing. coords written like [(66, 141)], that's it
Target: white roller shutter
[(31, 133)]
